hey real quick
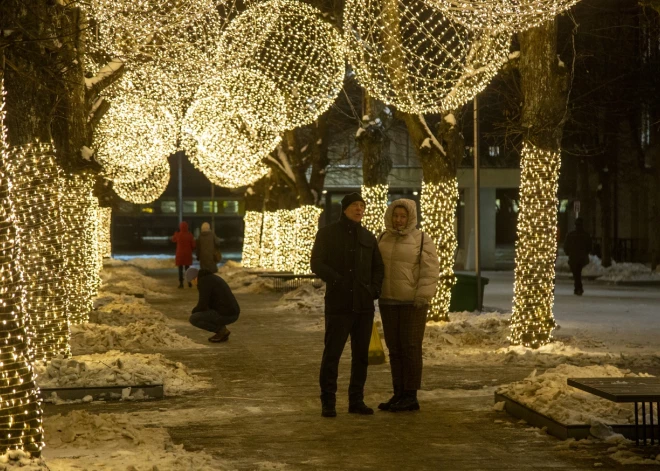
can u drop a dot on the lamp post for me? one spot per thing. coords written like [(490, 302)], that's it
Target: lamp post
[(477, 228)]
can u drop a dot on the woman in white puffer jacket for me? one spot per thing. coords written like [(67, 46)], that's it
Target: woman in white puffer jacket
[(411, 279)]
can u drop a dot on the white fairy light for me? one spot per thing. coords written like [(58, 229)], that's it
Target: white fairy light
[(375, 198), (417, 59), (305, 228), (252, 239), (148, 189)]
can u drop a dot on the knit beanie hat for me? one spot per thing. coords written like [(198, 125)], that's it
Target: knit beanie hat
[(350, 198), (191, 274)]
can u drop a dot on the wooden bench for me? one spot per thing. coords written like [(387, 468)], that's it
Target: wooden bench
[(626, 390), (286, 281)]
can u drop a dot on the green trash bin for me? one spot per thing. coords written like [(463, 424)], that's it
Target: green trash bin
[(464, 292)]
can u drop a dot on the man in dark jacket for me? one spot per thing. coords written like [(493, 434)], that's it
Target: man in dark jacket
[(216, 308), (345, 255), (578, 246)]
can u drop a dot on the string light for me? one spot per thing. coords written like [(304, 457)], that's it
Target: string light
[(105, 233), (148, 189), (93, 264), (222, 145), (502, 15), (20, 404), (284, 236), (290, 44), (133, 138), (252, 239), (306, 226), (268, 240), (34, 175), (415, 58), (375, 198), (532, 321), (438, 202)]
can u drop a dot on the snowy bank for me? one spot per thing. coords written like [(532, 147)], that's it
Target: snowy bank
[(119, 309), (144, 263), (125, 279), (242, 281), (118, 369), (614, 273), (113, 442)]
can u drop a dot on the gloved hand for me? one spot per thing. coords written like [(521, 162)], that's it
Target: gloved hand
[(420, 302)]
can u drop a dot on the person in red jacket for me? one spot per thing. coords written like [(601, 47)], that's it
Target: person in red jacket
[(185, 244)]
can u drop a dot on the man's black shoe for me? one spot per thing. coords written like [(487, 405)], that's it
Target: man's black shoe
[(407, 403), (386, 405), (328, 410), (360, 408)]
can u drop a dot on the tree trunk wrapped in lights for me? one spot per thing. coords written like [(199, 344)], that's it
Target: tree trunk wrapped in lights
[(440, 157), (544, 86), (93, 265), (105, 233), (307, 223), (20, 408), (252, 239), (375, 198), (284, 239), (35, 176), (267, 252)]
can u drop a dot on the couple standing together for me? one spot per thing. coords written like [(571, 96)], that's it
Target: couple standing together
[(400, 269)]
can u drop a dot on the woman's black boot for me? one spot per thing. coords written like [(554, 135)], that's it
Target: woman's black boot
[(398, 392), (408, 402)]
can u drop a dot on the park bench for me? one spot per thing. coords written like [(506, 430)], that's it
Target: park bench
[(626, 390), (286, 281)]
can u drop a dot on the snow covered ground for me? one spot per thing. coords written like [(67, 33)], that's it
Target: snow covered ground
[(617, 272)]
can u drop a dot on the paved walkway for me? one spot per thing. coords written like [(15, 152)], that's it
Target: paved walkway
[(264, 412)]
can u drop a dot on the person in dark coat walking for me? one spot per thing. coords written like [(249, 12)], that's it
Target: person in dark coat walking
[(578, 246), (207, 248), (216, 308), (346, 256), (185, 244)]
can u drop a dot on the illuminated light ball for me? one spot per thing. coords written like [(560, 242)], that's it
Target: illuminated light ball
[(291, 44), (501, 15), (375, 198), (125, 26), (438, 204), (133, 138), (252, 239), (225, 148), (414, 57), (532, 321), (147, 190)]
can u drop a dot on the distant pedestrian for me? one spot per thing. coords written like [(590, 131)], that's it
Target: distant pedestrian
[(345, 255), (185, 244), (208, 249), (216, 308), (578, 246), (411, 279)]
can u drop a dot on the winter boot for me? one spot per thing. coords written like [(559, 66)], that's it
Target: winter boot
[(360, 408), (180, 284), (221, 335), (408, 402), (328, 406), (394, 399)]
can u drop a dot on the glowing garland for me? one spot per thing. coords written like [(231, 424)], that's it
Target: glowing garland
[(268, 241), (20, 407), (133, 138), (284, 237), (501, 15), (376, 205), (34, 175), (306, 226), (532, 321), (412, 56), (252, 239), (148, 189), (90, 247), (438, 202), (105, 233), (290, 44)]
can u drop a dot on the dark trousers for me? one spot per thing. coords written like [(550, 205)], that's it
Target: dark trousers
[(576, 269), (181, 270), (211, 320), (403, 325), (337, 329)]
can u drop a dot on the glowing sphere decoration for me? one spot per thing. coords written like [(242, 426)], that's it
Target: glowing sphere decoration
[(148, 189), (133, 138), (289, 43), (501, 15), (416, 58)]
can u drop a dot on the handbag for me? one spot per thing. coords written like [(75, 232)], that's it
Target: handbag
[(217, 256)]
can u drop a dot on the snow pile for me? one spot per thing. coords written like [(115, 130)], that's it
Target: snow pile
[(117, 309), (94, 338), (240, 280), (118, 369), (113, 442), (615, 272), (18, 459), (148, 263), (489, 329), (125, 279), (305, 298), (593, 269), (549, 394)]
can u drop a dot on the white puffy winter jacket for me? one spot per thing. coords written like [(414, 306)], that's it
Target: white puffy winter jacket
[(407, 275)]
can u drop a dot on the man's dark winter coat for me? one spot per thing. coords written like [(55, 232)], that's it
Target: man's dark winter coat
[(346, 257), (215, 294), (578, 246)]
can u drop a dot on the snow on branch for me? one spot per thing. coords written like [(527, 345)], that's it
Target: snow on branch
[(105, 73), (432, 140)]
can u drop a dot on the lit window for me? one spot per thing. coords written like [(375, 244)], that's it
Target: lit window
[(125, 207), (190, 206), (210, 207), (230, 207), (168, 207), (563, 204), (147, 209), (494, 151)]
